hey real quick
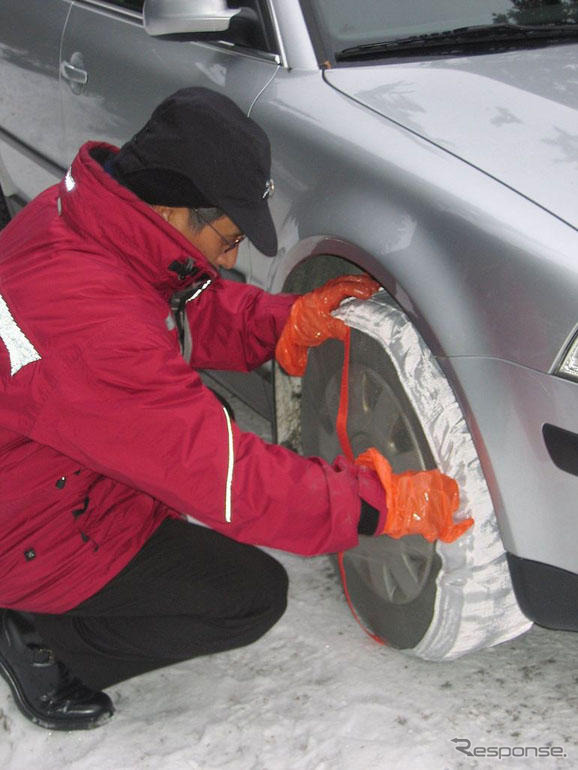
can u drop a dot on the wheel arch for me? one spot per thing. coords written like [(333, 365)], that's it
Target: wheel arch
[(310, 264)]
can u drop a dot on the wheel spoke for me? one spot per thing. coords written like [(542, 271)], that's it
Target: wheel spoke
[(371, 411), (405, 574)]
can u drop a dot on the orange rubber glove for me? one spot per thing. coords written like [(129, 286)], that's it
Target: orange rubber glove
[(418, 502), (310, 321)]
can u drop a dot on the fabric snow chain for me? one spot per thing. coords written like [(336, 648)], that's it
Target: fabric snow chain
[(475, 605)]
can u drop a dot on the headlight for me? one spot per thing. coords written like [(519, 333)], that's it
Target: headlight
[(568, 367)]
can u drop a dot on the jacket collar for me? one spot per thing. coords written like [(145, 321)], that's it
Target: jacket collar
[(100, 209)]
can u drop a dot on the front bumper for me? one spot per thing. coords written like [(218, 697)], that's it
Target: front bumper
[(535, 492)]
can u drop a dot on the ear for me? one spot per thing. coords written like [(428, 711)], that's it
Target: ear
[(165, 212)]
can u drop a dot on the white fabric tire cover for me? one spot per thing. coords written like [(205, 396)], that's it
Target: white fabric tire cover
[(475, 605)]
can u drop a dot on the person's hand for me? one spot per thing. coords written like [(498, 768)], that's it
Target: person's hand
[(418, 502), (310, 321)]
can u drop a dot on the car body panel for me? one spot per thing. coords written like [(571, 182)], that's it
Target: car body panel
[(29, 86), (431, 228), (535, 501), (121, 90), (512, 115), (296, 50)]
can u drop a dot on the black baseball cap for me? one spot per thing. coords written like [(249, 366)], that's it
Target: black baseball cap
[(198, 149)]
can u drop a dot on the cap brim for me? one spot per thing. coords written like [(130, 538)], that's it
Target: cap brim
[(257, 224)]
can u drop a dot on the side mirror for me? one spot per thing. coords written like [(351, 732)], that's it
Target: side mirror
[(173, 17)]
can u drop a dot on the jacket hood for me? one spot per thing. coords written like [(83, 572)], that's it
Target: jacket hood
[(512, 115), (99, 208)]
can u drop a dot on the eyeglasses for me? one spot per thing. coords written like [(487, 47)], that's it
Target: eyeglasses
[(230, 244)]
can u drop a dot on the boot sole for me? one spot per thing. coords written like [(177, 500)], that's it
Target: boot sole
[(41, 720)]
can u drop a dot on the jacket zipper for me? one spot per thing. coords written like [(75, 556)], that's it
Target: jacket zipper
[(231, 463), (178, 303)]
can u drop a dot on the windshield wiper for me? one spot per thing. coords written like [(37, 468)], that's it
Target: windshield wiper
[(453, 39)]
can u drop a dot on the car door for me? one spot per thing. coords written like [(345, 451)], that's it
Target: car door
[(31, 150), (114, 74)]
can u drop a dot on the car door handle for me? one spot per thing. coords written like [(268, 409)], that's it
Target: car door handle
[(73, 74)]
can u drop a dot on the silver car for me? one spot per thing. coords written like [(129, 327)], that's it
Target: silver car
[(433, 145)]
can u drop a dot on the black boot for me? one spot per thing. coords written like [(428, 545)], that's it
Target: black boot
[(42, 688)]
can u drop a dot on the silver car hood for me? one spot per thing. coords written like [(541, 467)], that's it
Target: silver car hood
[(512, 115)]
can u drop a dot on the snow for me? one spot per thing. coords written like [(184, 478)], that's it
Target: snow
[(317, 694)]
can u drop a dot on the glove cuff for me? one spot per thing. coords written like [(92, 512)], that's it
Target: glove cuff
[(373, 503), (369, 519)]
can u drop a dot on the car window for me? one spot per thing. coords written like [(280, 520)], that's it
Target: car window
[(252, 28), (342, 24)]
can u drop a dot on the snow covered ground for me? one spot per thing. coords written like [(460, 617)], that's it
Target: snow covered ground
[(317, 694)]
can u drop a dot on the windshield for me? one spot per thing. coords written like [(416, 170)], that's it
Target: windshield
[(344, 24)]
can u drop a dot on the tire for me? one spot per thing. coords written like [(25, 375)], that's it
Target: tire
[(436, 601)]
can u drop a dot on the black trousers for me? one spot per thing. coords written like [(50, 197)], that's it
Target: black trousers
[(190, 591)]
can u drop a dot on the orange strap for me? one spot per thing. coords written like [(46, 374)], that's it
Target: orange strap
[(341, 426)]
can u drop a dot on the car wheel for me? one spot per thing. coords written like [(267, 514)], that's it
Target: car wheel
[(438, 600)]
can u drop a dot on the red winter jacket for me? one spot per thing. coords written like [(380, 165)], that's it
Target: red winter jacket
[(105, 430)]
